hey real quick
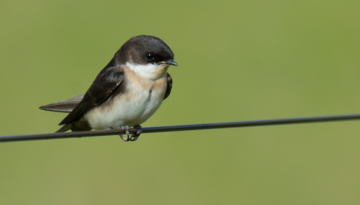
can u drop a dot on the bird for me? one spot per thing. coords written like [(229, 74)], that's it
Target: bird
[(126, 92)]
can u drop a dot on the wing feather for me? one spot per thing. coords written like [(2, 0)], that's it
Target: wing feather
[(101, 89), (169, 86), (64, 105)]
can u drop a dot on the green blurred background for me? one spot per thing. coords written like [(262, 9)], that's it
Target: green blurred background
[(238, 60)]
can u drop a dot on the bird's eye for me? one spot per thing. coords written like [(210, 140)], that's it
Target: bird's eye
[(149, 56)]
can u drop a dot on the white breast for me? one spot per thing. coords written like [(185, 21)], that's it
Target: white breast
[(134, 107)]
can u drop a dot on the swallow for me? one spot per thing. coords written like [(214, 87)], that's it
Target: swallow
[(125, 93)]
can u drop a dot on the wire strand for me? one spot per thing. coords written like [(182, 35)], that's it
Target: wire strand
[(174, 128)]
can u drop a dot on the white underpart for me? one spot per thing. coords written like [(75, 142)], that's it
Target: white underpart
[(147, 71), (129, 111)]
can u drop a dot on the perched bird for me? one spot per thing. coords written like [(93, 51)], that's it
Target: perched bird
[(125, 93)]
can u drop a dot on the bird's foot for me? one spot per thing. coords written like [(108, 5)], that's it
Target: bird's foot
[(108, 128), (127, 136), (126, 129), (136, 135)]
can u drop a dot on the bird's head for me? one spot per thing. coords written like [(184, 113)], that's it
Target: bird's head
[(147, 56)]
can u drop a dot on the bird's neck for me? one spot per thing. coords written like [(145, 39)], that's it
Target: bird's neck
[(149, 71)]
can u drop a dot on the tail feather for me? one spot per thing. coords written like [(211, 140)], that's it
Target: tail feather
[(65, 128)]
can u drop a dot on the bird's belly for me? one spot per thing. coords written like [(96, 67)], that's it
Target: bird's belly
[(131, 109)]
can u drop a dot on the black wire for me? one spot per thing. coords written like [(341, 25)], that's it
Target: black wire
[(182, 127)]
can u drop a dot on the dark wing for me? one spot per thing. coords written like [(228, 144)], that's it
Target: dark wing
[(100, 90), (64, 105), (169, 86)]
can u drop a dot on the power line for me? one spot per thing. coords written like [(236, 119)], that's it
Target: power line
[(174, 128)]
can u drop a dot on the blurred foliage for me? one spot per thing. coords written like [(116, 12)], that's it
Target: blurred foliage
[(238, 60)]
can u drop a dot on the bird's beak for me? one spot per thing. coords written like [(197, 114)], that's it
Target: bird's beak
[(169, 62)]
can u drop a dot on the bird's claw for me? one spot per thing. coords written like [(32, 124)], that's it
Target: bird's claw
[(136, 135), (126, 129), (133, 136), (108, 128)]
